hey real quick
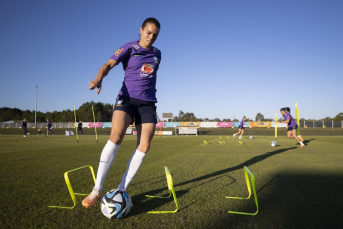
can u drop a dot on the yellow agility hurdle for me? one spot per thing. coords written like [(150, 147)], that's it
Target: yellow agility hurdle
[(71, 191), (252, 177), (171, 192)]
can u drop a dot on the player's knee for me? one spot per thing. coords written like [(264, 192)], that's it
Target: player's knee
[(144, 147), (116, 137)]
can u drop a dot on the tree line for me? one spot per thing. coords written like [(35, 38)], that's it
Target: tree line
[(103, 113)]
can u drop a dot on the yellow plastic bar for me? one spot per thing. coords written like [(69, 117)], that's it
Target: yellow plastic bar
[(171, 192), (297, 118), (275, 125), (252, 177), (77, 135), (96, 135), (70, 188)]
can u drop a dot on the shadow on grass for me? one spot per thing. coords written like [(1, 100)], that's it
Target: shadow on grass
[(249, 162), (291, 200), (156, 203)]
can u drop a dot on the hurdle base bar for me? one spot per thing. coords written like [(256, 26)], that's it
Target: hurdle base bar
[(70, 188), (252, 177), (171, 192)]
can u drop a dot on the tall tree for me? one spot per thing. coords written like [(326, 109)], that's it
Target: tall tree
[(259, 117)]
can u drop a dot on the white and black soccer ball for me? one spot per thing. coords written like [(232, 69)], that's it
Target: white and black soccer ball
[(273, 143), (251, 137), (116, 204)]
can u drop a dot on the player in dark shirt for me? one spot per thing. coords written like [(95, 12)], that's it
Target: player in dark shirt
[(79, 128), (24, 127), (49, 128)]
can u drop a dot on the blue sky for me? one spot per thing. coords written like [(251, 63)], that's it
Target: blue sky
[(220, 59)]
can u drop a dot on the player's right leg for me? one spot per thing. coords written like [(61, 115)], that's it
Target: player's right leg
[(120, 122), (239, 131)]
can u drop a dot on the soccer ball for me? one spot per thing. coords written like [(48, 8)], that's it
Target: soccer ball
[(273, 143), (116, 204), (251, 137)]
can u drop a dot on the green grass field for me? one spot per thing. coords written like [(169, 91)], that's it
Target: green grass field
[(296, 187)]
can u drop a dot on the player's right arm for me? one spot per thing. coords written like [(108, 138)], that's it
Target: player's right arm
[(104, 70)]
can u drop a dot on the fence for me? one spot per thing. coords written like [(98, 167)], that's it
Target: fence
[(42, 125)]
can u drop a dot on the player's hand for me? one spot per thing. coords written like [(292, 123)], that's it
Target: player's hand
[(95, 84)]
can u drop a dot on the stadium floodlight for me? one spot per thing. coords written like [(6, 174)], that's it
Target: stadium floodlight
[(36, 107)]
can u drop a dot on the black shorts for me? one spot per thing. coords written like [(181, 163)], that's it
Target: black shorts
[(292, 128), (140, 111), (241, 127)]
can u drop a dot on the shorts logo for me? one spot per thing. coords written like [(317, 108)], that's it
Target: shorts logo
[(156, 60), (118, 52), (119, 103), (147, 70)]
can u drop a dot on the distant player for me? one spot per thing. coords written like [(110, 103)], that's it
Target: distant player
[(79, 128), (292, 126), (240, 128), (49, 128), (135, 102), (24, 127)]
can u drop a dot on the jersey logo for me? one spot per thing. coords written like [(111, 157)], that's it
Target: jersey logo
[(118, 52), (147, 70), (135, 46), (156, 60)]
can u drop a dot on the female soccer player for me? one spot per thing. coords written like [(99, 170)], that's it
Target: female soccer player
[(136, 101), (240, 128), (292, 127)]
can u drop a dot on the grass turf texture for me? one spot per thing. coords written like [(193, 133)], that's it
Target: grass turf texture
[(296, 187)]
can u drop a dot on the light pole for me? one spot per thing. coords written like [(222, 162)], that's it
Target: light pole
[(36, 108)]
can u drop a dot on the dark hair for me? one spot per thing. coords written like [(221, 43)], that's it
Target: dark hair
[(153, 21), (287, 109)]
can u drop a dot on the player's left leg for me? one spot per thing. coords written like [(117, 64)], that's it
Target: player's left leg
[(145, 133), (240, 137), (294, 135)]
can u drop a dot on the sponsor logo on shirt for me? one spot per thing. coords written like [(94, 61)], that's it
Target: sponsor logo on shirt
[(147, 70), (135, 46), (118, 52), (137, 55)]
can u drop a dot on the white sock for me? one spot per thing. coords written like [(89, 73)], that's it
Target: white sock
[(301, 143), (132, 168), (106, 159)]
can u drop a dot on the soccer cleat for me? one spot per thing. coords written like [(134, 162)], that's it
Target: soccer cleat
[(301, 138), (91, 199), (24, 136), (234, 135), (303, 146)]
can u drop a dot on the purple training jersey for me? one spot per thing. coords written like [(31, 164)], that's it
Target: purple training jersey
[(242, 123), (140, 66), (291, 122)]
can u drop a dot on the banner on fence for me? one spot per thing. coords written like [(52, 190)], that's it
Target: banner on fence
[(159, 124), (224, 124), (190, 124), (163, 132), (106, 125), (279, 125), (171, 124), (97, 124), (260, 124), (208, 124)]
